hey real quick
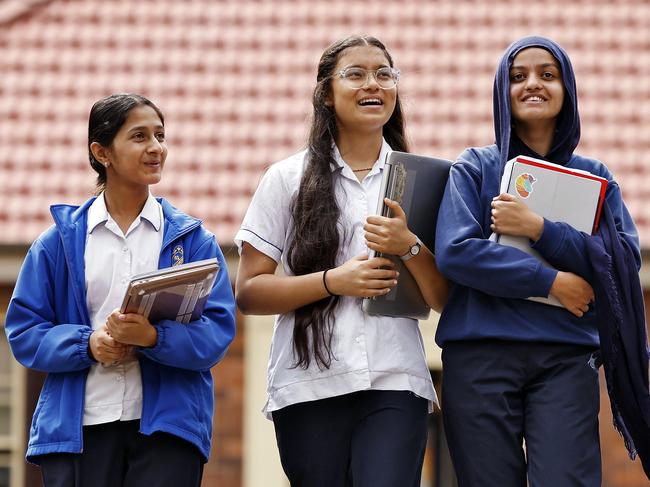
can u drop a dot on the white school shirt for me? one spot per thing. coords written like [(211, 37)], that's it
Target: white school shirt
[(111, 259), (369, 351)]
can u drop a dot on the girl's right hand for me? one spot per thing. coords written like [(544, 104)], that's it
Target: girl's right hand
[(105, 349), (362, 277), (573, 292)]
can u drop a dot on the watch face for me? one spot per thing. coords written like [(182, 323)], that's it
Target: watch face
[(415, 250)]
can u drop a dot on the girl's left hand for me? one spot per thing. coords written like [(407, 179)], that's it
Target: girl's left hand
[(131, 329), (389, 235), (511, 216)]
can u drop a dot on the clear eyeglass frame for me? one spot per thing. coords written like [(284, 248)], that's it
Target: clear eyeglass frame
[(356, 77)]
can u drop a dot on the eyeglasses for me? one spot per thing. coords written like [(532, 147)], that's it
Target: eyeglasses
[(356, 78)]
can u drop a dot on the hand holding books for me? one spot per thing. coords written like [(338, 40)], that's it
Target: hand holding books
[(417, 184), (176, 293), (105, 349), (550, 191), (394, 236), (131, 329), (510, 216)]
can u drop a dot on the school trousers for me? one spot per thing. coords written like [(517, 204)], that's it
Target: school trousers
[(116, 455), (365, 439), (516, 411)]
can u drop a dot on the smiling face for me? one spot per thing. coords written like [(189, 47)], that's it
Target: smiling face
[(536, 88), (137, 155), (367, 108)]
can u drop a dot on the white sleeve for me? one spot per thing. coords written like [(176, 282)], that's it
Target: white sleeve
[(266, 222)]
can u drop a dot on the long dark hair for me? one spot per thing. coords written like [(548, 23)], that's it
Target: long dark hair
[(315, 212), (106, 119)]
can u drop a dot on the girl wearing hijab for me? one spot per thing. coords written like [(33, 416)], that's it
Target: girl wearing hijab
[(348, 392), (515, 370), (126, 402)]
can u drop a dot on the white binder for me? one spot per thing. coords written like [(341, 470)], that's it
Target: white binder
[(555, 192)]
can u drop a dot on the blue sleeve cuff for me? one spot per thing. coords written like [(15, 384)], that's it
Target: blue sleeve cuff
[(551, 239), (547, 277), (84, 346), (160, 339)]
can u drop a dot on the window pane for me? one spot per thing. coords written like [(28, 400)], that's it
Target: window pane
[(5, 459)]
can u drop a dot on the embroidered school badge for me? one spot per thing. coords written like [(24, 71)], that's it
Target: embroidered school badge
[(177, 255), (524, 184)]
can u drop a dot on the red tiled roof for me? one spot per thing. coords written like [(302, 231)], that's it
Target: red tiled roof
[(234, 79)]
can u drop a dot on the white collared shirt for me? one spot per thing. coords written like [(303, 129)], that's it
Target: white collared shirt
[(111, 258), (370, 352)]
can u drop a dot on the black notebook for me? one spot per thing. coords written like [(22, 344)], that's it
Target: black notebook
[(177, 293), (417, 183)]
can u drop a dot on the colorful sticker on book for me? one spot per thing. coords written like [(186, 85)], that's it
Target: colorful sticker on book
[(177, 255), (524, 184)]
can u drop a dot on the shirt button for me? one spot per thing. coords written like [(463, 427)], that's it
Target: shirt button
[(125, 249), (357, 339)]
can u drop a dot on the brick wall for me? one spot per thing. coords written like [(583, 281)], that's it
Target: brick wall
[(224, 468)]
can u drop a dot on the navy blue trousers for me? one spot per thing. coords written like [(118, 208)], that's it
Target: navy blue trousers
[(365, 439), (498, 394), (117, 455)]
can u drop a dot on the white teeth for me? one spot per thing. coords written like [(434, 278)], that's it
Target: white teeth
[(369, 101), (534, 98)]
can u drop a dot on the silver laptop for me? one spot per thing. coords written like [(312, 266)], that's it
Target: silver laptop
[(416, 182)]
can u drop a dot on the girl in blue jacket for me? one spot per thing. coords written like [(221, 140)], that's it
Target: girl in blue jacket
[(517, 370), (126, 402)]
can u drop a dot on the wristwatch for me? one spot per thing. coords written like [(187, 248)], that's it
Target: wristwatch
[(413, 250)]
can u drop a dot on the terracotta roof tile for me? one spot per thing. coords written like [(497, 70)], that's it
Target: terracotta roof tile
[(235, 78)]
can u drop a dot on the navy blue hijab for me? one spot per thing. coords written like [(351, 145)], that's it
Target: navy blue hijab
[(567, 131)]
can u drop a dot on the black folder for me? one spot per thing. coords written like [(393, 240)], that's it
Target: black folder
[(417, 183)]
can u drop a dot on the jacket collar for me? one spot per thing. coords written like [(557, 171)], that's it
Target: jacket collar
[(177, 223), (71, 223)]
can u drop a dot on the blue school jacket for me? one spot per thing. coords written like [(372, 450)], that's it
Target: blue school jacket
[(48, 327)]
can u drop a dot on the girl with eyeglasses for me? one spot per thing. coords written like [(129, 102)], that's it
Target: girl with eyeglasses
[(516, 370), (348, 392), (126, 402)]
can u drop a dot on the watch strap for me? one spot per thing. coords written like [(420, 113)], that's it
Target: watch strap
[(410, 254)]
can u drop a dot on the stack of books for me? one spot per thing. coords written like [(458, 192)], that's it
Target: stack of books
[(177, 293)]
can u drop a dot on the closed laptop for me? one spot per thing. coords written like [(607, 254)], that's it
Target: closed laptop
[(557, 193), (417, 183)]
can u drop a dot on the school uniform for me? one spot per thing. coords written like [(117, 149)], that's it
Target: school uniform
[(91, 418), (374, 359), (514, 369)]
